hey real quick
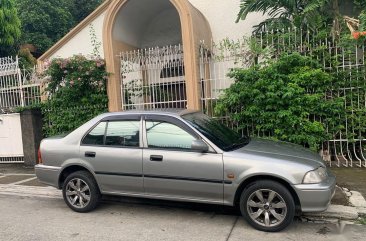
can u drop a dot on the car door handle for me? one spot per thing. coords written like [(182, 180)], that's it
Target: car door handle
[(156, 158), (90, 154)]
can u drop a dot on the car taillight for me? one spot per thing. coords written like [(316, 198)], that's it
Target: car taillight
[(40, 161)]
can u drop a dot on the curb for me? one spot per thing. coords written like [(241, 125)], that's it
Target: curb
[(30, 191), (335, 213)]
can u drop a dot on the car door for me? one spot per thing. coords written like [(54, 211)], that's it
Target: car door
[(172, 169), (113, 150)]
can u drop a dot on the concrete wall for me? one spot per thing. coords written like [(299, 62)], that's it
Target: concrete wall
[(163, 30), (81, 42), (11, 144), (221, 15), (32, 134)]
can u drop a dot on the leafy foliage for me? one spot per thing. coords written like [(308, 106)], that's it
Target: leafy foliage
[(82, 8), (77, 90), (46, 21), (26, 59), (288, 100), (94, 41), (313, 14), (9, 27)]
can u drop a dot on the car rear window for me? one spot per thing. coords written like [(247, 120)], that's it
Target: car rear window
[(95, 136)]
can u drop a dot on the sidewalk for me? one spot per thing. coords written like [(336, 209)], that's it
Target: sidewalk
[(15, 169), (352, 178)]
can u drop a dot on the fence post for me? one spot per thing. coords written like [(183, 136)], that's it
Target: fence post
[(31, 123), (20, 81)]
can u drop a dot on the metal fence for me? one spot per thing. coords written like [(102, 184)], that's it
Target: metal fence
[(153, 78), (18, 88), (347, 147)]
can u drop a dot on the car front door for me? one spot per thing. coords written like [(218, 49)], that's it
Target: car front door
[(173, 170), (113, 150)]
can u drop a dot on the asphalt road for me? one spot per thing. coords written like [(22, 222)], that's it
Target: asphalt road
[(35, 218)]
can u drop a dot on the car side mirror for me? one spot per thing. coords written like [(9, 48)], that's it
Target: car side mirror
[(199, 145)]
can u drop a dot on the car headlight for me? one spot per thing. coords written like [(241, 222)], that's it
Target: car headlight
[(315, 176)]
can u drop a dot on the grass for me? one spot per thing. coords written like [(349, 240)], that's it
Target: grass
[(362, 221)]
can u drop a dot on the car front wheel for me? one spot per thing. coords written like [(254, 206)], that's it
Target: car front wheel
[(80, 191), (267, 206)]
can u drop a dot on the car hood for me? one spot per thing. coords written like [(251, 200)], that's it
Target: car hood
[(285, 150)]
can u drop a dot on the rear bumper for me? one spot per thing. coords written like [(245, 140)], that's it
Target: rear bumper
[(316, 197), (48, 174)]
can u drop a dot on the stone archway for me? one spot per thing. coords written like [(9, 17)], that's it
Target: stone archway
[(194, 28)]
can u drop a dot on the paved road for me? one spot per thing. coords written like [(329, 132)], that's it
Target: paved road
[(41, 218)]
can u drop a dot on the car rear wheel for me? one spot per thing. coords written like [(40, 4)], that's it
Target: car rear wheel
[(81, 192), (267, 206)]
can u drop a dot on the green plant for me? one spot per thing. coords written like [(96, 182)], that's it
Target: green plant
[(362, 221), (77, 92), (289, 100), (287, 13), (94, 41), (44, 21), (9, 27), (246, 51), (26, 59)]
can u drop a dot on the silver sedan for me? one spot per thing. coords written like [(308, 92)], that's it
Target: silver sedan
[(185, 156)]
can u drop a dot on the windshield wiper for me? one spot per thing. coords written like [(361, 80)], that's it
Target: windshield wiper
[(242, 142)]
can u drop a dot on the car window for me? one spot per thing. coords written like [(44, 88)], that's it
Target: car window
[(162, 134), (123, 133), (96, 136)]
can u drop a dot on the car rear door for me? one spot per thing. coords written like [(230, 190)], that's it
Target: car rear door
[(172, 169), (113, 149)]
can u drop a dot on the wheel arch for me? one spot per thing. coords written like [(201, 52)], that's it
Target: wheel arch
[(71, 169), (254, 178)]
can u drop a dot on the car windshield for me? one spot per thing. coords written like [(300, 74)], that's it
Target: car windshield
[(222, 136)]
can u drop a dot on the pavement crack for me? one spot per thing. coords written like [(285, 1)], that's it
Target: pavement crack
[(232, 228)]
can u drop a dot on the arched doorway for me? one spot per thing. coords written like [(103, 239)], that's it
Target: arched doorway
[(151, 49)]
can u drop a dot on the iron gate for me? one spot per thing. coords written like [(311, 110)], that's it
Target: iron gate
[(153, 78), (18, 88)]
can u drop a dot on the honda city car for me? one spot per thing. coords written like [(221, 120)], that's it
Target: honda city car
[(184, 155)]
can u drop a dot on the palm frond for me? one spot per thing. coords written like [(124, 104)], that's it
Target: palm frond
[(248, 6), (272, 24)]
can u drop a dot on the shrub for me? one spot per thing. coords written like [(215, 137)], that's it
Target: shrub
[(77, 92), (290, 100), (26, 59)]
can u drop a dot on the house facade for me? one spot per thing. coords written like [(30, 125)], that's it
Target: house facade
[(153, 48)]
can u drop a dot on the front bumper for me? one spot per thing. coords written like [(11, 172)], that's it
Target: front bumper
[(47, 174), (316, 197)]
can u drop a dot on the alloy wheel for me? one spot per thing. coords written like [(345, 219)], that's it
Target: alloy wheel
[(78, 193), (266, 208)]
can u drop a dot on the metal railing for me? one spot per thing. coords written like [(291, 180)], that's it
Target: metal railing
[(18, 88), (153, 78), (348, 146)]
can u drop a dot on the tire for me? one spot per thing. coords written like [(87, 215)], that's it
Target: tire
[(80, 192), (267, 206)]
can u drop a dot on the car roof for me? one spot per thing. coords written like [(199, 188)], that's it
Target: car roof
[(166, 111)]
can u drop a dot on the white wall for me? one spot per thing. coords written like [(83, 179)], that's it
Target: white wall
[(221, 15), (11, 143), (81, 42)]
